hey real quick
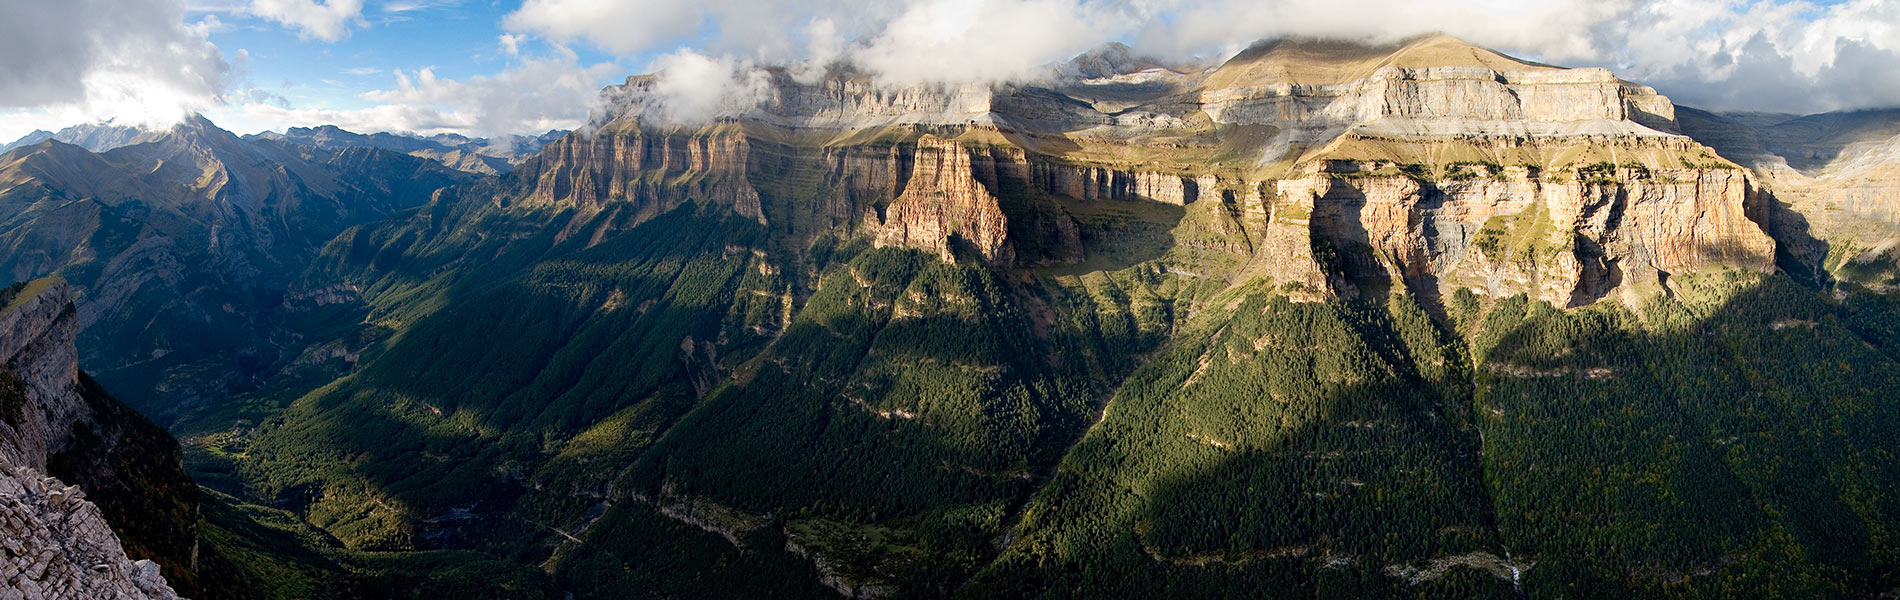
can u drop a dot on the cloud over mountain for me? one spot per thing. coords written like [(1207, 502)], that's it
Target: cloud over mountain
[(137, 60), (1722, 53)]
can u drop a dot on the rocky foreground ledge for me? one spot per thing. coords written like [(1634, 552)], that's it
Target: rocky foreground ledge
[(54, 545)]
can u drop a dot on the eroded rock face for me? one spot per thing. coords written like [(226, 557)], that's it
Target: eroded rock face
[(36, 346), (944, 205), (56, 546), (652, 172), (1098, 183), (54, 421), (1567, 241)]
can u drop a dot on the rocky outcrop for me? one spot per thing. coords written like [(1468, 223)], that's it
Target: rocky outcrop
[(56, 546), (832, 575), (1430, 86), (945, 206), (838, 99)]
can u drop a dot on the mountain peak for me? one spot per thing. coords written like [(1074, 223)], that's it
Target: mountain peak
[(1107, 60), (1325, 61)]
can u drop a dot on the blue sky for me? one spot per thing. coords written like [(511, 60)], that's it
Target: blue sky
[(486, 67), (455, 39)]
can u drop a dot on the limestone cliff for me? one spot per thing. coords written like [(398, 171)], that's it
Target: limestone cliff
[(1834, 181), (1323, 165), (945, 206), (650, 172), (55, 420), (1568, 240), (36, 349)]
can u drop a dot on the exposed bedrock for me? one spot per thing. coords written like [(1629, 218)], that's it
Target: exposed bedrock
[(1568, 242)]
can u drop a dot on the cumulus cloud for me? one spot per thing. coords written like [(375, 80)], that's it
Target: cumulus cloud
[(623, 27), (327, 20), (535, 95), (974, 40), (692, 87), (83, 60), (1777, 56)]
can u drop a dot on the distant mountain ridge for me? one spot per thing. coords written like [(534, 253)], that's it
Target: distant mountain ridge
[(485, 156), (488, 156), (96, 137)]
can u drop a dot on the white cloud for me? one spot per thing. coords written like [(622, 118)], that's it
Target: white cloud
[(327, 20), (1782, 56), (974, 40), (618, 26), (693, 87), (539, 94), (404, 6), (84, 60)]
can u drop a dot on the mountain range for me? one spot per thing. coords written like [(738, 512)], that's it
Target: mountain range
[(474, 155), (1328, 319)]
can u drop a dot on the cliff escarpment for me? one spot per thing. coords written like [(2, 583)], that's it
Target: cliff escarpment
[(1567, 239), (1430, 162)]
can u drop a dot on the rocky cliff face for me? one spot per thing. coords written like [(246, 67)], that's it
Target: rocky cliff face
[(54, 420), (1568, 240), (945, 206), (1832, 180), (57, 546), (646, 173), (36, 341)]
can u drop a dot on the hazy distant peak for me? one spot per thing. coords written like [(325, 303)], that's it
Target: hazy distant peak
[(97, 137), (1107, 60)]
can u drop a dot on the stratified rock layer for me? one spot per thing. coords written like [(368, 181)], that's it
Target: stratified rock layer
[(1431, 164), (36, 346), (945, 204), (1567, 242)]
